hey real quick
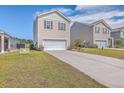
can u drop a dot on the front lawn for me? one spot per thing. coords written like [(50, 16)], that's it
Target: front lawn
[(105, 52), (39, 69)]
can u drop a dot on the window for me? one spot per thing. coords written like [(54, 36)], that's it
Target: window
[(105, 30), (108, 31), (61, 26), (48, 24), (97, 29)]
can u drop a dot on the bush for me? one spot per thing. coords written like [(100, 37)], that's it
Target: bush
[(119, 42), (77, 43), (32, 46), (72, 47), (94, 46)]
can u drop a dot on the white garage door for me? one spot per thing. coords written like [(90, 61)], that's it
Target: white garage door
[(101, 43), (51, 44)]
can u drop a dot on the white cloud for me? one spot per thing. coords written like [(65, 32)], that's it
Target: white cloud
[(63, 10), (107, 16), (66, 11), (39, 12), (81, 7), (36, 13), (101, 12), (116, 23)]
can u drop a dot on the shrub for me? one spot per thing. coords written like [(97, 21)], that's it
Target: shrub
[(119, 42), (94, 46), (77, 43), (72, 47), (32, 46)]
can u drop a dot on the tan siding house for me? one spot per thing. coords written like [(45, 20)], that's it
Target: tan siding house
[(52, 31), (98, 33)]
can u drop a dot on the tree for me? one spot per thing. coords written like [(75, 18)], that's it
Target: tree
[(77, 43), (30, 42), (119, 42)]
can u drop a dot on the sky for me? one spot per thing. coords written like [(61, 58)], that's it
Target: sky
[(18, 20)]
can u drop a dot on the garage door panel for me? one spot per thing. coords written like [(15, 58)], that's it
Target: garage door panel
[(101, 43), (54, 44)]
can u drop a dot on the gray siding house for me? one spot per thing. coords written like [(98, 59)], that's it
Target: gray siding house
[(98, 33), (118, 33)]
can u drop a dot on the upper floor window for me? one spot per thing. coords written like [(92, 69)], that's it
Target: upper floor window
[(108, 32), (97, 29), (61, 26), (48, 24), (103, 30)]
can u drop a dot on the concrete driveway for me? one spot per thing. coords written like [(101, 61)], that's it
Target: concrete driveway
[(106, 70)]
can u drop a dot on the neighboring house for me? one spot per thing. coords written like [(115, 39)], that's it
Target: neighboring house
[(52, 31), (118, 33), (95, 33), (8, 43)]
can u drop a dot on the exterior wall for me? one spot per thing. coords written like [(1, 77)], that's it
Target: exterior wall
[(101, 35), (122, 34), (115, 35), (52, 33), (35, 38), (81, 31), (13, 43)]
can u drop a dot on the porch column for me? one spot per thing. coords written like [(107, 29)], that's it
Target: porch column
[(9, 43), (2, 44), (112, 42)]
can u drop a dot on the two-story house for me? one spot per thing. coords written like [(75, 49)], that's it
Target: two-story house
[(98, 33), (118, 33), (52, 31)]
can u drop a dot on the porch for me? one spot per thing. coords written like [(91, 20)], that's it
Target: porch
[(4, 43)]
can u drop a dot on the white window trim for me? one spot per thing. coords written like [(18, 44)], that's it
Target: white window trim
[(63, 27), (97, 30), (48, 23)]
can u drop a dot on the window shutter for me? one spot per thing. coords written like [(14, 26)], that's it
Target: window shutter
[(44, 24)]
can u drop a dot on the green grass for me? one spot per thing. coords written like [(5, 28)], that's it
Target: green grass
[(105, 52), (39, 69)]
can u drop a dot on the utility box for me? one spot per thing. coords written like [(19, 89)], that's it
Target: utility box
[(24, 50)]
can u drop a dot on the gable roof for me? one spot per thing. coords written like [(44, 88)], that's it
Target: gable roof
[(101, 21), (55, 11)]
